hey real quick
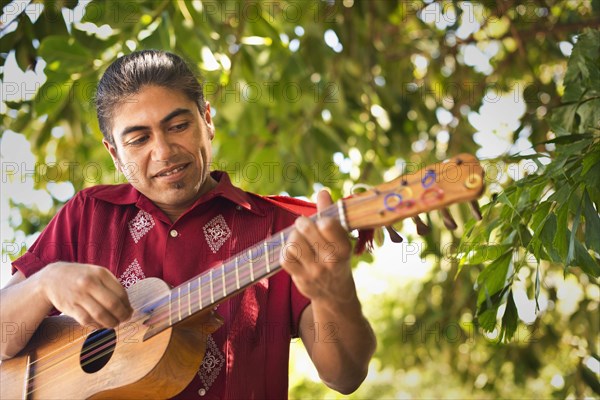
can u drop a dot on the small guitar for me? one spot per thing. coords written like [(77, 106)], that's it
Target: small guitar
[(170, 326)]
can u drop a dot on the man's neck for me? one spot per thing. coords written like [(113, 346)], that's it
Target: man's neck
[(174, 212)]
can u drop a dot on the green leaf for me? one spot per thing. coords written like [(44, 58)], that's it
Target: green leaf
[(65, 55), (24, 54), (487, 319), (524, 235), (493, 278), (483, 253), (575, 148), (560, 240), (574, 228), (561, 195), (592, 176), (582, 65), (561, 121), (592, 223), (52, 97), (567, 139), (51, 21), (547, 234), (509, 319), (590, 159), (540, 214), (8, 41), (585, 261), (589, 114), (535, 191)]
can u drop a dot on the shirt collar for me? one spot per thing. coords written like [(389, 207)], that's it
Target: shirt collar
[(122, 194), (126, 194), (226, 189)]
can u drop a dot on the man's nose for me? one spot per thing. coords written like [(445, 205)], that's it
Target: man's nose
[(163, 150)]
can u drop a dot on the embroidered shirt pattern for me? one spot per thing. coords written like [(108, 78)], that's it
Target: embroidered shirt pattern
[(216, 232), (132, 274), (212, 364), (140, 225)]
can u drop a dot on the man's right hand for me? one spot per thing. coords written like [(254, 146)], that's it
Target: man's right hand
[(88, 293)]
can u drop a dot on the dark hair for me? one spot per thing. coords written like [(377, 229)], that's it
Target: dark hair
[(129, 74)]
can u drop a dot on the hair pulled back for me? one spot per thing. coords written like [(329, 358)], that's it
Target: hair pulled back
[(127, 75)]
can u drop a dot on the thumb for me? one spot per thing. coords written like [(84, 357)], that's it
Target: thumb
[(324, 200)]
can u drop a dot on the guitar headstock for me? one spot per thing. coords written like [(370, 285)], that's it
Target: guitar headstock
[(436, 186)]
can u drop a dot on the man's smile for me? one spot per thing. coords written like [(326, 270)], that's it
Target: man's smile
[(172, 172)]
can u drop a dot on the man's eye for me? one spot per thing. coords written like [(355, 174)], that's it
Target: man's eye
[(180, 127), (139, 141)]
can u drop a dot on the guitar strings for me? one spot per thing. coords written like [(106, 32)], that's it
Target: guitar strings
[(162, 312)]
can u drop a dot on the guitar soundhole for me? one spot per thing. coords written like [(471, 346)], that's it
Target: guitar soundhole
[(97, 349)]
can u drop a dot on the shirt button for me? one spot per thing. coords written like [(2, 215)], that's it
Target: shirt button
[(174, 233), (201, 392)]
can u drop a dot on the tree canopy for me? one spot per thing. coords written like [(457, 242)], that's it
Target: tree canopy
[(307, 94)]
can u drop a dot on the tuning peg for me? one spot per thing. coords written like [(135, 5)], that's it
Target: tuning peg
[(448, 220), (422, 228), (396, 238), (475, 210)]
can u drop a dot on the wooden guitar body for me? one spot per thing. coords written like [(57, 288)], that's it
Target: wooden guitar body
[(161, 366)]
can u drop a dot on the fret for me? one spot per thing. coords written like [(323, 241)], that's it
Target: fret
[(28, 383), (179, 302), (189, 298), (212, 295), (251, 266), (267, 257), (237, 274), (200, 292), (342, 214), (223, 280)]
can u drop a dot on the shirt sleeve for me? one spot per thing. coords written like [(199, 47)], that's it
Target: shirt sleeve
[(57, 242)]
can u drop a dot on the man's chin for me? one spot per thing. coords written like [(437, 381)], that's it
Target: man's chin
[(177, 194)]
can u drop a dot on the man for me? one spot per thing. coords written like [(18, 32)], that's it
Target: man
[(175, 220)]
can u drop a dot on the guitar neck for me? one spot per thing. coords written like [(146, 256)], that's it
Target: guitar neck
[(219, 283)]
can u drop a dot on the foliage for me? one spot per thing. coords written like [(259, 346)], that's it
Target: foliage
[(311, 93), (551, 214)]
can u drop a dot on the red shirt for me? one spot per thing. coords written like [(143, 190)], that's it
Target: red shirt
[(119, 228)]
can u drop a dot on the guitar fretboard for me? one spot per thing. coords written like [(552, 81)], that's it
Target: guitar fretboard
[(221, 282)]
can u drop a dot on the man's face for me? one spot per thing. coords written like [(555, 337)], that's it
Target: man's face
[(162, 145)]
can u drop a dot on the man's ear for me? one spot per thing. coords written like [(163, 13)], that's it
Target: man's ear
[(112, 150), (209, 121)]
